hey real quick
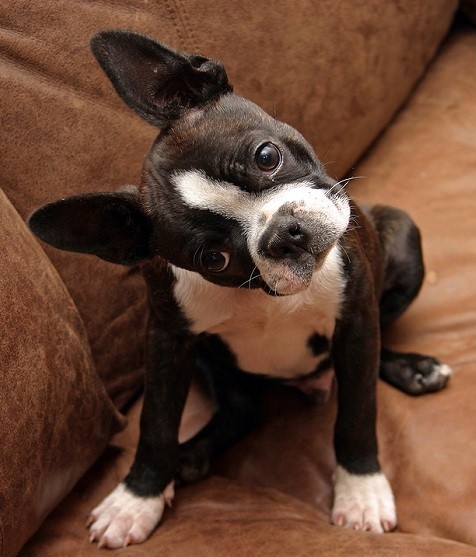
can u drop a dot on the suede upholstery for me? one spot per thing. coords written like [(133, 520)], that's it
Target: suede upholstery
[(55, 96), (338, 71), (56, 417)]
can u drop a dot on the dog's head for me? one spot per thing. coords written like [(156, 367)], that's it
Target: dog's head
[(227, 191)]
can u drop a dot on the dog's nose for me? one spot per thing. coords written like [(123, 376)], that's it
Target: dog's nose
[(285, 239)]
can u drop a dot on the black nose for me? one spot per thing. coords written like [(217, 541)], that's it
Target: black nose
[(285, 238)]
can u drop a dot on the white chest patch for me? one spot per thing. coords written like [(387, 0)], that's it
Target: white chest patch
[(268, 335)]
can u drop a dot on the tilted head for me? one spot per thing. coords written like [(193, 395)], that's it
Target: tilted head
[(227, 191)]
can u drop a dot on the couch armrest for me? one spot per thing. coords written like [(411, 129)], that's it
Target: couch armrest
[(56, 417)]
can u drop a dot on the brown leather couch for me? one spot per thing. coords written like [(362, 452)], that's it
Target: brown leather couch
[(394, 79)]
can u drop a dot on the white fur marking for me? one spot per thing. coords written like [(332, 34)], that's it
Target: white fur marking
[(254, 211), (124, 518), (268, 335), (363, 502), (225, 198), (444, 370)]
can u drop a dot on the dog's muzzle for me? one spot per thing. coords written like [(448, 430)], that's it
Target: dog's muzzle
[(293, 243)]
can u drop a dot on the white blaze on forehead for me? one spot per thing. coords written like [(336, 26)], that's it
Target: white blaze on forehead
[(200, 192), (224, 198)]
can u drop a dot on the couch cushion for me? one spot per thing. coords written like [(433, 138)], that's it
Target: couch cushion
[(217, 517), (426, 164), (336, 70), (56, 417)]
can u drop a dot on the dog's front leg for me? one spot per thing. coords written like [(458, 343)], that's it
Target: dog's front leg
[(132, 511), (363, 499)]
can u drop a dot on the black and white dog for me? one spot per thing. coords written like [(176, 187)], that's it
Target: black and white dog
[(257, 264)]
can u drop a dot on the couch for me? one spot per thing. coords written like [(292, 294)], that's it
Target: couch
[(384, 90)]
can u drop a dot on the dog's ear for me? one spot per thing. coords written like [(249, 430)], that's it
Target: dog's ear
[(157, 82), (112, 226)]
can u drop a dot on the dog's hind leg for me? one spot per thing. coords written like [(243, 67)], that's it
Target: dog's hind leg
[(404, 271), (238, 410)]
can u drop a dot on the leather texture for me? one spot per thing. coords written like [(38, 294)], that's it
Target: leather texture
[(338, 71)]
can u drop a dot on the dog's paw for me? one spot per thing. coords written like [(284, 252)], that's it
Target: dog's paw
[(413, 373), (124, 518), (363, 502)]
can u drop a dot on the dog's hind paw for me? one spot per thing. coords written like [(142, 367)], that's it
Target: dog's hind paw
[(413, 373), (363, 502), (124, 518)]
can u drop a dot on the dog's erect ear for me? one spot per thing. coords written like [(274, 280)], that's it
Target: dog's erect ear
[(157, 82), (112, 226)]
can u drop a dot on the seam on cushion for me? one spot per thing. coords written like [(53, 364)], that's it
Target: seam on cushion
[(186, 24), (181, 24), (174, 16)]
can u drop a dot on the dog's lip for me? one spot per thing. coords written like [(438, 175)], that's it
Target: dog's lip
[(299, 285), (275, 294), (318, 258), (268, 290)]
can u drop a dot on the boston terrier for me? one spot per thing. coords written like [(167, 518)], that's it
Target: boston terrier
[(257, 264)]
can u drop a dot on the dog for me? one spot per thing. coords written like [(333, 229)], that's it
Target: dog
[(257, 264)]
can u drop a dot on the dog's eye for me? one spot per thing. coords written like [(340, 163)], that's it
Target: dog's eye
[(215, 261), (267, 157)]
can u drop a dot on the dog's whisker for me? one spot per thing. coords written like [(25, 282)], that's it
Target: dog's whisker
[(253, 278), (248, 281), (344, 182), (345, 251)]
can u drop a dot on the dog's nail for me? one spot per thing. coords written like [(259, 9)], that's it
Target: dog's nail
[(89, 521), (102, 542), (92, 537), (339, 520), (387, 526), (128, 540)]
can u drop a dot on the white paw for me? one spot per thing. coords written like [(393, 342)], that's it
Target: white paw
[(124, 518), (363, 502)]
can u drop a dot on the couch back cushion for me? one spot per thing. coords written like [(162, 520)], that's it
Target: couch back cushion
[(335, 70), (56, 417)]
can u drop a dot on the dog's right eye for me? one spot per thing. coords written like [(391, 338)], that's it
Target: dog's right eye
[(215, 261), (267, 157)]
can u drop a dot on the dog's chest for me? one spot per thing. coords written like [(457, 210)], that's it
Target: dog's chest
[(267, 335)]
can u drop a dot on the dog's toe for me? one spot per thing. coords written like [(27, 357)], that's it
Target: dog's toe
[(363, 502), (124, 518), (430, 377), (414, 374)]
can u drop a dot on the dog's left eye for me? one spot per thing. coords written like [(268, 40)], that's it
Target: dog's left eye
[(215, 261), (267, 157)]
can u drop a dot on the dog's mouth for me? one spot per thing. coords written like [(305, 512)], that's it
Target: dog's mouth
[(288, 276)]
